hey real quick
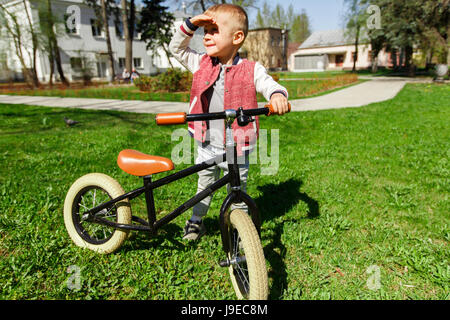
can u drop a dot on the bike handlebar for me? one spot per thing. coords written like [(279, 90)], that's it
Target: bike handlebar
[(164, 119)]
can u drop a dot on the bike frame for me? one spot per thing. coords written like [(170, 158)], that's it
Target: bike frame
[(152, 225)]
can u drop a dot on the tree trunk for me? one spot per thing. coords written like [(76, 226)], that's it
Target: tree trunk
[(34, 42), (54, 46), (409, 64), (51, 61), (128, 37), (374, 63), (355, 57), (15, 33), (108, 42), (166, 51), (202, 4)]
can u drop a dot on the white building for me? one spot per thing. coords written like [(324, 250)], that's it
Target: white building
[(160, 60), (332, 50), (79, 39)]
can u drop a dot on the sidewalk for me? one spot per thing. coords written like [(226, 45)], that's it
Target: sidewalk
[(354, 96)]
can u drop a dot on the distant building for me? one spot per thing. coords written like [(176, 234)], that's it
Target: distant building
[(332, 50), (268, 46), (84, 42)]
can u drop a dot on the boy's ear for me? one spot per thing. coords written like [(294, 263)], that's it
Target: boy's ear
[(238, 37)]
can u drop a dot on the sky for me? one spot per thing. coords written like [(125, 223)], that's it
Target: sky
[(323, 14)]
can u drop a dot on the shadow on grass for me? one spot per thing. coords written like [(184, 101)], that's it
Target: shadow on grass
[(164, 239), (275, 201)]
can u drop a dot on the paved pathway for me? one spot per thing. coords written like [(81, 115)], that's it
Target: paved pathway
[(355, 96)]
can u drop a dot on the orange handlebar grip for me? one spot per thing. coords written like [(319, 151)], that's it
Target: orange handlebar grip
[(165, 119), (271, 111)]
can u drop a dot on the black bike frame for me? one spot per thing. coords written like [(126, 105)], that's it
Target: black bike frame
[(152, 225), (232, 177)]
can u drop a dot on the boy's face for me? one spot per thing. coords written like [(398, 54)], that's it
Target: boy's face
[(219, 37)]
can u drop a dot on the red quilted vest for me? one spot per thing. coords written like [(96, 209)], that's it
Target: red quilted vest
[(239, 91)]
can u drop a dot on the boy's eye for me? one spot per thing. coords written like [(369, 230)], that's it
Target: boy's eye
[(211, 30)]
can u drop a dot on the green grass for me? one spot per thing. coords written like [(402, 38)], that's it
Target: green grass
[(355, 188), (297, 89), (106, 92), (312, 75)]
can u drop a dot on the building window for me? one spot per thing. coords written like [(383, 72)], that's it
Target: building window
[(339, 60), (119, 29), (121, 63), (76, 64), (137, 62), (96, 28)]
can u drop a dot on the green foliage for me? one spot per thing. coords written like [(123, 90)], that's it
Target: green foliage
[(297, 24), (414, 23), (173, 80), (155, 24)]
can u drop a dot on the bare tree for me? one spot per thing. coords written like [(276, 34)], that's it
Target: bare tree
[(18, 33), (108, 41), (103, 13), (128, 20), (355, 19), (49, 33)]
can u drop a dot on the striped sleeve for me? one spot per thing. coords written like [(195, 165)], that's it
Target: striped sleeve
[(179, 47), (188, 28), (265, 84)]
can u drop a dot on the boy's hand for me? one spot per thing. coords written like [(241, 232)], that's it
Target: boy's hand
[(202, 20), (279, 103)]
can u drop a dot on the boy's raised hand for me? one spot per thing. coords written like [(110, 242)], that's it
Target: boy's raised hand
[(279, 103), (202, 20)]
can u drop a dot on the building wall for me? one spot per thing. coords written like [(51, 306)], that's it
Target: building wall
[(159, 57), (81, 44), (268, 47), (345, 52), (84, 43)]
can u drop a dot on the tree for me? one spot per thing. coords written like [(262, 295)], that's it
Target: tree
[(435, 28), (377, 42), (103, 12), (49, 33), (409, 24), (22, 37), (155, 26), (128, 22), (355, 18), (199, 6), (105, 19), (300, 29), (297, 24)]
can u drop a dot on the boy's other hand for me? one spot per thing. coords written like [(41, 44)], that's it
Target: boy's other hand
[(202, 20), (279, 103)]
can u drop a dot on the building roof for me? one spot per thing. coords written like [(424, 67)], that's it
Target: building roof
[(330, 38)]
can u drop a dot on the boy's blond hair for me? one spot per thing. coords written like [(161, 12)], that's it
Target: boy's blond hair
[(239, 15)]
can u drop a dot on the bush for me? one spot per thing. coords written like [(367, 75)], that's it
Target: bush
[(173, 80)]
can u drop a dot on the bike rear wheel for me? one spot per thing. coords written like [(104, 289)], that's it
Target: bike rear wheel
[(246, 258), (86, 193)]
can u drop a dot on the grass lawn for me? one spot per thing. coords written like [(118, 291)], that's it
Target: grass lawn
[(297, 89), (360, 194)]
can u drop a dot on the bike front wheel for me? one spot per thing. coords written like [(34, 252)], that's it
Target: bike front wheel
[(246, 258)]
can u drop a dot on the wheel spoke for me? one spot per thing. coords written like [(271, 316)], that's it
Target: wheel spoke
[(90, 230)]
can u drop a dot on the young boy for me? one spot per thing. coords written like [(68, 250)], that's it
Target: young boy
[(222, 80)]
